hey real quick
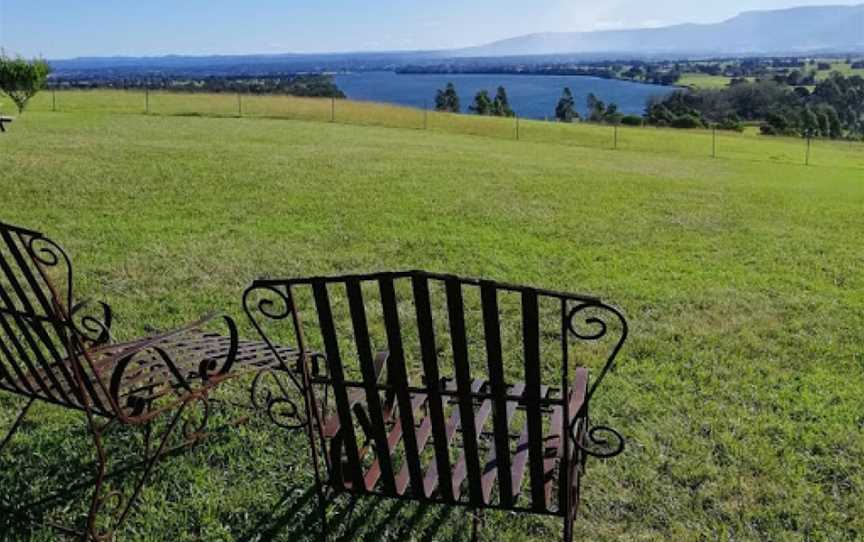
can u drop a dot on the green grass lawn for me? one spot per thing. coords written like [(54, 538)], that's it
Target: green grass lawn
[(739, 392), (671, 142)]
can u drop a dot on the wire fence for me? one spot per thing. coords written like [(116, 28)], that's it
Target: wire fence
[(697, 143)]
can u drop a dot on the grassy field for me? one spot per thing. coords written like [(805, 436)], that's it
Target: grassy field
[(841, 67), (739, 392), (703, 80), (678, 143)]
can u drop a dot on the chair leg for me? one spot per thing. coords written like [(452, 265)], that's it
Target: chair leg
[(568, 528), (322, 510), (114, 503), (476, 525), (17, 424)]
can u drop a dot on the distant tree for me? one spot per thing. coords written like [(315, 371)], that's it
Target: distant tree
[(632, 120), (809, 123), (794, 78), (823, 66), (731, 122), (440, 100), (501, 105), (596, 108), (482, 103), (448, 100), (565, 111), (21, 79), (802, 92), (829, 122)]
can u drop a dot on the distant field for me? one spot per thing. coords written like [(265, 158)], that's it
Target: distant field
[(739, 392), (691, 143), (841, 67), (703, 80)]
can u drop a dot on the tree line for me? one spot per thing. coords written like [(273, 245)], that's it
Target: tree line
[(447, 101), (833, 109)]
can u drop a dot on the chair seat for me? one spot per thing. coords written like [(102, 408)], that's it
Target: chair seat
[(189, 351), (517, 439)]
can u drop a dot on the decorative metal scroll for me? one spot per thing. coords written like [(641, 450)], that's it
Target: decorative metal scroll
[(599, 441), (91, 329), (278, 392)]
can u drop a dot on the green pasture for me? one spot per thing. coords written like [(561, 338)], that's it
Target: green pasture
[(739, 393), (683, 143)]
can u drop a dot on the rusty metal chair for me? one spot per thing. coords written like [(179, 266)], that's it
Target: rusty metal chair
[(484, 405), (55, 350)]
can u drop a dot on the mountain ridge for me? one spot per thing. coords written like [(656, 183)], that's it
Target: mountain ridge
[(788, 30), (780, 32)]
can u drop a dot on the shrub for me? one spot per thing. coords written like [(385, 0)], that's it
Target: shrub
[(687, 121)]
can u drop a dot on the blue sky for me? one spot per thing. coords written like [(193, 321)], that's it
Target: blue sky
[(69, 28)]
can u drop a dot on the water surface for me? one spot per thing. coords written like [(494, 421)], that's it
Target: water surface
[(532, 96)]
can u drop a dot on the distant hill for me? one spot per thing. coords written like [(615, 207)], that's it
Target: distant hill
[(785, 31), (825, 29)]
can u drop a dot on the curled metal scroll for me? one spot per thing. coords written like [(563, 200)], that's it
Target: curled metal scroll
[(91, 329), (597, 330), (279, 392), (210, 367), (48, 254), (272, 394), (274, 305), (194, 428), (599, 441), (112, 504), (95, 330)]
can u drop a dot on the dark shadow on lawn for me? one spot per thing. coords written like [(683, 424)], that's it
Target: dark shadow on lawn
[(349, 519)]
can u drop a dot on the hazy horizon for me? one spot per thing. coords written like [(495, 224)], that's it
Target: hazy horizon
[(58, 30)]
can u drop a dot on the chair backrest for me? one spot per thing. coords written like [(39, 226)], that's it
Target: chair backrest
[(38, 339), (457, 349)]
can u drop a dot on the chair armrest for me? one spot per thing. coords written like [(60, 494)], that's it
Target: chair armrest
[(147, 367)]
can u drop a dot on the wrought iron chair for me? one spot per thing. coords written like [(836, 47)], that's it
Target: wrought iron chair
[(55, 350), (477, 371)]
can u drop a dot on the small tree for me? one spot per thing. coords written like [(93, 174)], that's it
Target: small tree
[(440, 101), (809, 123), (482, 103), (596, 108), (501, 104), (565, 111), (447, 100), (21, 80)]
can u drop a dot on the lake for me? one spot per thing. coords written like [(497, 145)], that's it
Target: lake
[(531, 96)]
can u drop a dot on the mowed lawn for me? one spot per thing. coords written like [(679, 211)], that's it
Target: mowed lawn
[(740, 391)]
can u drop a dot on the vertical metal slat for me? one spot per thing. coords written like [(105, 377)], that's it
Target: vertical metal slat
[(456, 310), (337, 374), (373, 399), (397, 368), (531, 339), (492, 331), (426, 330)]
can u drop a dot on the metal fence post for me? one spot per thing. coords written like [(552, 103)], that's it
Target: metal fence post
[(332, 109), (54, 100), (807, 156), (239, 104), (713, 142), (615, 145)]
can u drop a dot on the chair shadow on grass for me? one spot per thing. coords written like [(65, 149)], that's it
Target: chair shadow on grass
[(72, 482), (349, 518), (25, 508)]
